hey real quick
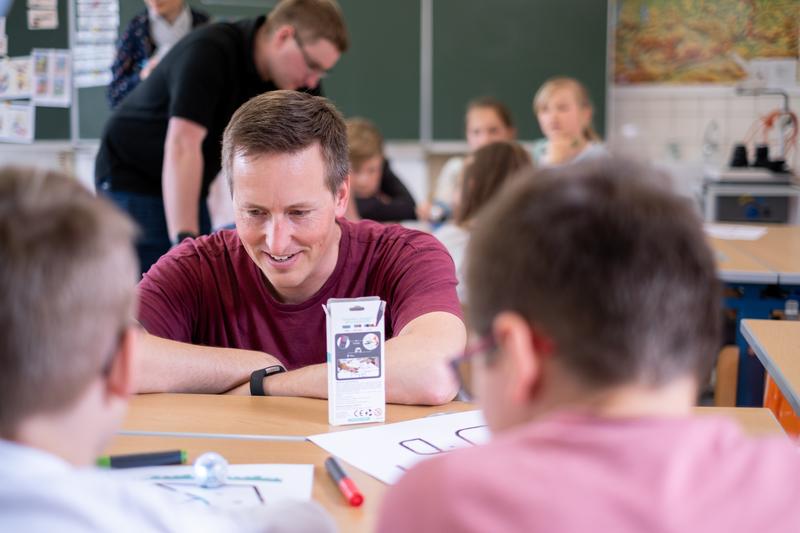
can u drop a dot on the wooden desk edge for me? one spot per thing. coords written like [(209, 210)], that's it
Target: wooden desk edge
[(777, 376)]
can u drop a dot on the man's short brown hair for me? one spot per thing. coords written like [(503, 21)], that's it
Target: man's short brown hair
[(607, 261), (67, 282), (313, 19), (286, 122), (364, 141)]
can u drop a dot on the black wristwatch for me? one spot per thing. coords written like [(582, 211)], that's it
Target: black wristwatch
[(183, 235), (257, 379)]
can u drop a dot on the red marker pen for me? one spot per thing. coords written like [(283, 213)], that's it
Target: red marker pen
[(346, 485)]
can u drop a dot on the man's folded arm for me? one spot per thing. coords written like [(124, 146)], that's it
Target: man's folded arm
[(165, 365), (417, 371)]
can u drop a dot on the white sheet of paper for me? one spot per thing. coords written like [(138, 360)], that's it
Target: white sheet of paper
[(17, 122), (92, 79), (247, 485), (97, 8), (387, 451), (42, 20), (98, 22), (732, 232), (50, 5)]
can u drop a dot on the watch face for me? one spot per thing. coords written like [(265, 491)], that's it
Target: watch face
[(273, 370)]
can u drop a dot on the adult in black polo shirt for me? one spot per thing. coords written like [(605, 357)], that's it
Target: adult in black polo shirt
[(161, 148)]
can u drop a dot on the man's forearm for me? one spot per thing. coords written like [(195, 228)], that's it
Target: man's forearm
[(165, 365), (417, 370), (182, 177)]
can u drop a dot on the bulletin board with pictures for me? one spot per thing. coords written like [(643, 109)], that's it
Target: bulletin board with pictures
[(35, 72)]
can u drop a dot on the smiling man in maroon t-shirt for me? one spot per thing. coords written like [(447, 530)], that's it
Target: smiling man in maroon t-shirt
[(236, 305)]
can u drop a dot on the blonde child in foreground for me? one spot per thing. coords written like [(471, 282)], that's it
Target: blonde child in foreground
[(564, 111), (594, 320), (487, 120), (67, 353)]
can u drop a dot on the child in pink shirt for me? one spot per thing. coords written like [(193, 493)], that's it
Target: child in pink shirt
[(594, 321)]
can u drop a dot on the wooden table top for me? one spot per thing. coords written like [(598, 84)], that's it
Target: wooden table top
[(778, 250), (259, 415), (777, 345), (298, 417), (773, 258), (737, 266)]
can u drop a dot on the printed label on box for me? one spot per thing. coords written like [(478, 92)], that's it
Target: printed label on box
[(356, 380)]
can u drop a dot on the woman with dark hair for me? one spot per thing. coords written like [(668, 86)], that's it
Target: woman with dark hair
[(486, 171)]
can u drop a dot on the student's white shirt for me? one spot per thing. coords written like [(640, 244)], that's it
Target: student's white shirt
[(455, 239), (447, 181), (41, 492), (592, 150), (164, 34)]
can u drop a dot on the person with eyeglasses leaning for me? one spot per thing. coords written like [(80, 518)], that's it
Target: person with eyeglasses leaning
[(160, 149)]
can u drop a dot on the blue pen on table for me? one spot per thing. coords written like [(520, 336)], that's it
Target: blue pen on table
[(172, 457)]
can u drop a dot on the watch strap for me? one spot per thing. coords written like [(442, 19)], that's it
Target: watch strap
[(257, 378), (183, 235)]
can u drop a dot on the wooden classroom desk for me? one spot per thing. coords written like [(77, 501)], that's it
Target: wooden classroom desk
[(737, 266), (778, 250), (761, 275), (777, 345), (349, 519), (268, 416), (298, 417)]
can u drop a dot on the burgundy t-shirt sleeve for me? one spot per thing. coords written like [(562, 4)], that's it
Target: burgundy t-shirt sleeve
[(419, 278), (169, 296)]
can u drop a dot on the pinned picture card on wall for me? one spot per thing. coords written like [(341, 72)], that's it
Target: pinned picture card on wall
[(17, 122), (42, 14), (16, 78), (52, 77)]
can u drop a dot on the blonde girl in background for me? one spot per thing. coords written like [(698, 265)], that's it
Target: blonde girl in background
[(487, 120), (564, 111)]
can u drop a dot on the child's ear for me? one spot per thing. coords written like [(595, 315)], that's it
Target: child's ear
[(522, 350), (121, 379)]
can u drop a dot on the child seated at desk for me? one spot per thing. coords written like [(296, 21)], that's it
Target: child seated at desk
[(484, 175), (378, 192), (67, 353), (595, 313), (564, 111), (487, 120)]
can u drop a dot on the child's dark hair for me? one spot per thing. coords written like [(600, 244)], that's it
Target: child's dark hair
[(489, 102)]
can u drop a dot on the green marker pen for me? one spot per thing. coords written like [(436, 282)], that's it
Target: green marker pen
[(172, 457)]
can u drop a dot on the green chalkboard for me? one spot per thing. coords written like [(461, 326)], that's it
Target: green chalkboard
[(506, 49), (51, 123), (378, 78)]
